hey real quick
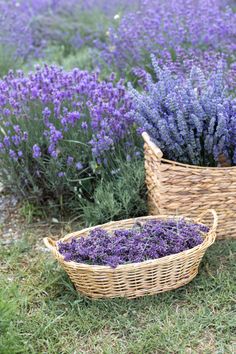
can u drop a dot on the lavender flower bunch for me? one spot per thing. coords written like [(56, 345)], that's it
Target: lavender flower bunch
[(193, 121), (154, 239), (58, 127)]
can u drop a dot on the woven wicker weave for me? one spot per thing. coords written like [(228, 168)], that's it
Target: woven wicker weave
[(175, 188), (136, 279)]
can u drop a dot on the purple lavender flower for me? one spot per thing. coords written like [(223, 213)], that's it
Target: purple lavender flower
[(6, 141), (13, 155), (36, 151), (69, 160), (79, 166), (61, 174), (84, 125)]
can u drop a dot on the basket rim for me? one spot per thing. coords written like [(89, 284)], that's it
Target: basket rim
[(198, 167), (148, 139), (207, 241)]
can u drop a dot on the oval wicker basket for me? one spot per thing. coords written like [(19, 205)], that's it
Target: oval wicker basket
[(176, 188), (134, 279)]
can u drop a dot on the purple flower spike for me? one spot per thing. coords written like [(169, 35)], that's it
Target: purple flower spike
[(61, 174), (36, 151), (69, 160), (79, 166)]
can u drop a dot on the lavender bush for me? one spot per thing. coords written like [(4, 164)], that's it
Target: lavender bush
[(154, 239), (180, 34), (31, 29), (58, 130), (192, 121), (16, 20), (120, 34)]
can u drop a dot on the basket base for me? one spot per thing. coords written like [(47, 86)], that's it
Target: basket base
[(139, 293)]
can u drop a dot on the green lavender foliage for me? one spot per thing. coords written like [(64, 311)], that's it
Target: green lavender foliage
[(118, 196)]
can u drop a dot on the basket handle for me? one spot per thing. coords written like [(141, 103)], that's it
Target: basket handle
[(153, 146), (49, 243), (215, 218)]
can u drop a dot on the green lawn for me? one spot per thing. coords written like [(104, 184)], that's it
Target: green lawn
[(40, 312)]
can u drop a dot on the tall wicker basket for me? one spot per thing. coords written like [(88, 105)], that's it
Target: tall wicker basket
[(176, 188), (135, 279)]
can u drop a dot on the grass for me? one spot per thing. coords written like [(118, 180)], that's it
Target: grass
[(40, 312)]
